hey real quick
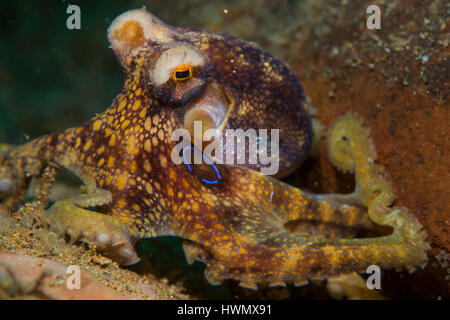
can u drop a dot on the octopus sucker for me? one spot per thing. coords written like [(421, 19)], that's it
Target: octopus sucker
[(242, 224)]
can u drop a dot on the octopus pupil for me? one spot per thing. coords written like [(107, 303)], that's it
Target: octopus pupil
[(180, 75)]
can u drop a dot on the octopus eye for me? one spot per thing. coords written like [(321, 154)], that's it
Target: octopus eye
[(182, 73), (177, 63)]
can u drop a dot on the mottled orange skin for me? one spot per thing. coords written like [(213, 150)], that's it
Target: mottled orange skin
[(237, 227)]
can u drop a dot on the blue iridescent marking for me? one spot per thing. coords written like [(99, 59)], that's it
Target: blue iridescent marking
[(207, 160)]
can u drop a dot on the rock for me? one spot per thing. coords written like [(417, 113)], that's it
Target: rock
[(32, 277)]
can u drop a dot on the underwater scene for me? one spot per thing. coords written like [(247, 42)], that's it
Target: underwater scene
[(239, 150)]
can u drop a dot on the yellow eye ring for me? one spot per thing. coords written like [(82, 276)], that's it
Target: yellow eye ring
[(182, 72)]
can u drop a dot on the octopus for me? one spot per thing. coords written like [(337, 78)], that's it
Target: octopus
[(246, 226)]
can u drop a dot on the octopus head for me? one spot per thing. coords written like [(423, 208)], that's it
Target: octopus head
[(222, 81)]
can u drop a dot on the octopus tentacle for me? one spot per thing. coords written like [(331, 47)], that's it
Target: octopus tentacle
[(288, 203), (256, 249), (110, 236)]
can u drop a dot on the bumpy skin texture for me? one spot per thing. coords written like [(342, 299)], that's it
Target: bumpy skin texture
[(248, 227)]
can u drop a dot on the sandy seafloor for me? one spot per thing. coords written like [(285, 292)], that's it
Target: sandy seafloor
[(396, 79)]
